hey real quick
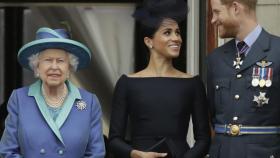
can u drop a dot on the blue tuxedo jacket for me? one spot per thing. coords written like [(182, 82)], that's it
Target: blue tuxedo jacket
[(32, 133)]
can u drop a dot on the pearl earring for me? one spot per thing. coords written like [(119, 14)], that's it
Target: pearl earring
[(37, 75)]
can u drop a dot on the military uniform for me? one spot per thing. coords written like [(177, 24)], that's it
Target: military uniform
[(245, 100)]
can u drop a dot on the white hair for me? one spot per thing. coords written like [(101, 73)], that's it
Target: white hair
[(74, 61), (34, 61)]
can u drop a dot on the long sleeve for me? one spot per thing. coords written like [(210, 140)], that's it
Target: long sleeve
[(96, 147), (118, 121), (200, 123), (210, 91), (9, 144)]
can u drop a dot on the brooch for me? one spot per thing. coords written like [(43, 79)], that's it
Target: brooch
[(81, 105)]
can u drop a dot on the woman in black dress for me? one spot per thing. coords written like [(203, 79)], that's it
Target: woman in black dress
[(159, 100)]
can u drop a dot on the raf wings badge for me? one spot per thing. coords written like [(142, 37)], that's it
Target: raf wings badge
[(264, 63)]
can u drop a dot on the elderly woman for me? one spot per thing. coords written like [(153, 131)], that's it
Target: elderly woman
[(53, 118)]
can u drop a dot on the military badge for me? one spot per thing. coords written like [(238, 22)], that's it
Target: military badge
[(242, 47), (238, 62), (262, 75), (268, 81), (261, 99), (255, 77), (264, 63), (262, 83), (255, 82), (81, 105)]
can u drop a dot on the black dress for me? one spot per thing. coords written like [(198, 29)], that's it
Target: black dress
[(159, 107)]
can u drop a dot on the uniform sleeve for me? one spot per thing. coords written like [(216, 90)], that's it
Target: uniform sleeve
[(119, 117), (200, 120), (9, 145), (210, 91), (96, 146)]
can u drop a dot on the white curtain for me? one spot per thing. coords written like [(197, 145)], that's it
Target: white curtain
[(108, 30), (111, 29)]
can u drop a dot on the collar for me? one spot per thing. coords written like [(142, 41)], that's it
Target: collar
[(35, 89), (251, 38)]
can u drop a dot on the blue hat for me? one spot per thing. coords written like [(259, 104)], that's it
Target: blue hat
[(153, 11), (47, 38)]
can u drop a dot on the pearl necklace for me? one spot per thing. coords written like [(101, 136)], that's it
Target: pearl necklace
[(57, 101)]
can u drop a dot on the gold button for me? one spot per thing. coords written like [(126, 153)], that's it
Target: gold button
[(234, 130), (238, 76), (236, 97)]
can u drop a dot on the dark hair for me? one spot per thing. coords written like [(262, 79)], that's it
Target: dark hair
[(153, 12), (149, 31)]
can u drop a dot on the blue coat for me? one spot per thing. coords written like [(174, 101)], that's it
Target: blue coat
[(32, 133)]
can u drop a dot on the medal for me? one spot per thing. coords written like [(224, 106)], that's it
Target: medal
[(255, 77), (242, 47), (262, 81), (238, 62), (261, 99), (268, 82), (255, 82)]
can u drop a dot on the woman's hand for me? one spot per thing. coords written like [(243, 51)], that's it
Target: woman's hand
[(142, 154)]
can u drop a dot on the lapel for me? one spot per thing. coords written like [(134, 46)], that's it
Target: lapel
[(257, 51), (73, 94), (35, 91), (229, 53)]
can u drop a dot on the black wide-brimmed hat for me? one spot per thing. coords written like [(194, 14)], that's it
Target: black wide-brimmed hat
[(153, 11)]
